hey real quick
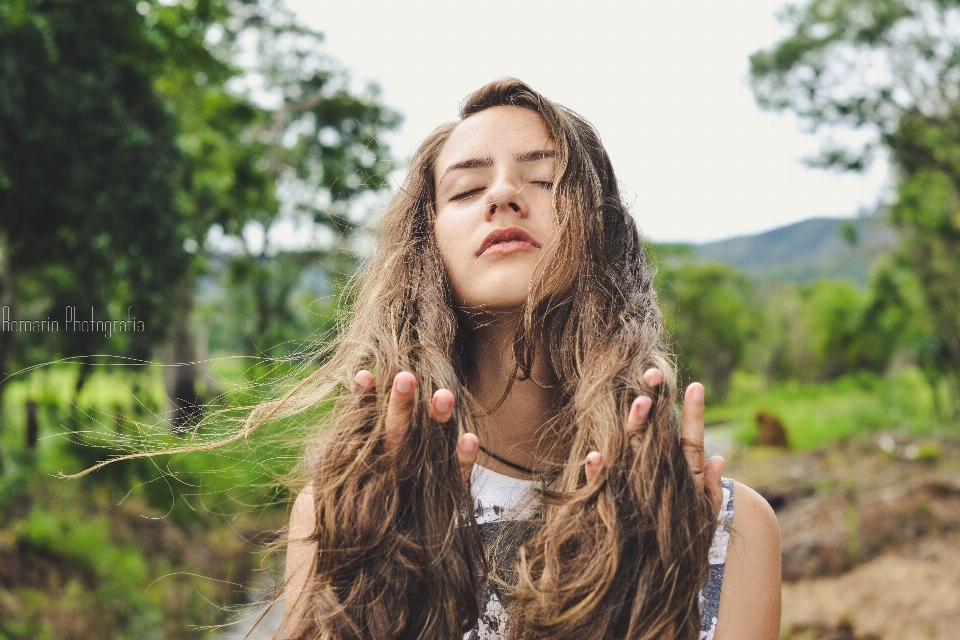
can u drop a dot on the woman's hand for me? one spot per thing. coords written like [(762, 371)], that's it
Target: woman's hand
[(301, 549), (705, 474), (400, 407)]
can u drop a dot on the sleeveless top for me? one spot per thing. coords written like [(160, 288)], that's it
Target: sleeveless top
[(500, 501)]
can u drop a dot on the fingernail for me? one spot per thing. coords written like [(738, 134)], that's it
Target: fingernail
[(469, 445), (696, 394), (643, 408), (402, 384), (653, 377), (444, 404)]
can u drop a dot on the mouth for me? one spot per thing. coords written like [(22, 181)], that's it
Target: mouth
[(507, 241)]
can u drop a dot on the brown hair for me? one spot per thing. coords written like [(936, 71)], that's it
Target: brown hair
[(398, 552)]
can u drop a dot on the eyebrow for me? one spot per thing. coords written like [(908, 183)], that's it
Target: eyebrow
[(476, 163), (532, 156)]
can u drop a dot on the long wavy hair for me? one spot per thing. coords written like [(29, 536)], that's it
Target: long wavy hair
[(398, 554)]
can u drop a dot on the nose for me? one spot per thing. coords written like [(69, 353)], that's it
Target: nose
[(506, 195)]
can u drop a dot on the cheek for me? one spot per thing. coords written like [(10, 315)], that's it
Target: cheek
[(548, 231), (449, 240), (452, 237)]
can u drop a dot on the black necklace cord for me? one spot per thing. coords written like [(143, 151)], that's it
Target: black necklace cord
[(512, 465)]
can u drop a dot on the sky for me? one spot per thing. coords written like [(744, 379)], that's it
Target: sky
[(664, 82)]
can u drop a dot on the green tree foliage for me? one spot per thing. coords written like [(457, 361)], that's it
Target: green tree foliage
[(709, 315), (88, 177), (261, 108), (861, 64), (822, 330), (928, 205), (830, 314), (891, 67), (131, 130), (315, 143), (846, 330), (279, 305), (811, 332), (324, 153)]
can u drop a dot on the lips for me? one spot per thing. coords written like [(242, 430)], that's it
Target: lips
[(506, 240)]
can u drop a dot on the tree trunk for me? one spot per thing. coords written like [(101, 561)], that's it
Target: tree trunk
[(6, 337), (182, 369), (33, 426), (6, 347)]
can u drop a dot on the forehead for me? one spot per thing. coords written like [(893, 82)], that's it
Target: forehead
[(494, 132)]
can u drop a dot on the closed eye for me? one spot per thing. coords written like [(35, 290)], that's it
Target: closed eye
[(546, 184), (467, 194)]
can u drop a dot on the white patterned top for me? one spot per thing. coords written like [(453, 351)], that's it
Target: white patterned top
[(500, 500)]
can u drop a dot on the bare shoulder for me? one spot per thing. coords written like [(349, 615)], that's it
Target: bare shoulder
[(750, 597), (301, 551), (755, 527), (303, 516)]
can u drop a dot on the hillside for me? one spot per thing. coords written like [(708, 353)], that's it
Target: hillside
[(799, 252)]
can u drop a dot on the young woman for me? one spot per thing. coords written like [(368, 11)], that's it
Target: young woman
[(504, 458)]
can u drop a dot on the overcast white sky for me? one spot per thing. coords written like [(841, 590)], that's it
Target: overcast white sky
[(665, 83)]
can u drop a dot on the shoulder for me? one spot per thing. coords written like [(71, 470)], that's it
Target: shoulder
[(303, 514), (750, 597), (754, 522), (301, 551)]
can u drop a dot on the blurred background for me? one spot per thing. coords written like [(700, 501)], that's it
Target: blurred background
[(186, 188)]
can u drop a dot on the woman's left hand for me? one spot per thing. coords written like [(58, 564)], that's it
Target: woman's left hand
[(705, 473)]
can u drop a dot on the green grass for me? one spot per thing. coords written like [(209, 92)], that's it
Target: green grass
[(816, 414), (116, 413), (102, 572)]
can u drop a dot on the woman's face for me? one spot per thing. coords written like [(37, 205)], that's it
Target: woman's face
[(494, 213)]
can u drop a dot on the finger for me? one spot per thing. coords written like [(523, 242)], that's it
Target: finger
[(364, 381), (467, 449), (691, 430), (441, 407), (399, 408), (712, 472), (653, 377), (639, 411), (592, 465)]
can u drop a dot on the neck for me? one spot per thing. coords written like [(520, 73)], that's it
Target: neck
[(511, 430)]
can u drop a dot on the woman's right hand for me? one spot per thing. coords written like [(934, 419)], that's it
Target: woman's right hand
[(400, 408), (301, 549)]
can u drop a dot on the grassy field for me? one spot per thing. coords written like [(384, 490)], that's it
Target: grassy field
[(816, 414)]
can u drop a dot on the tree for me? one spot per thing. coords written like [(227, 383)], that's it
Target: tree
[(707, 308), (890, 67), (310, 139), (88, 179), (130, 130), (928, 203), (846, 330)]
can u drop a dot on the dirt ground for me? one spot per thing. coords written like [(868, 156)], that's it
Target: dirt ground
[(870, 533)]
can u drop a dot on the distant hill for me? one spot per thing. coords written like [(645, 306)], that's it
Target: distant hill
[(799, 252)]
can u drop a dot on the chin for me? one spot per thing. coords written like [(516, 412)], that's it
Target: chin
[(505, 291), (501, 303)]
